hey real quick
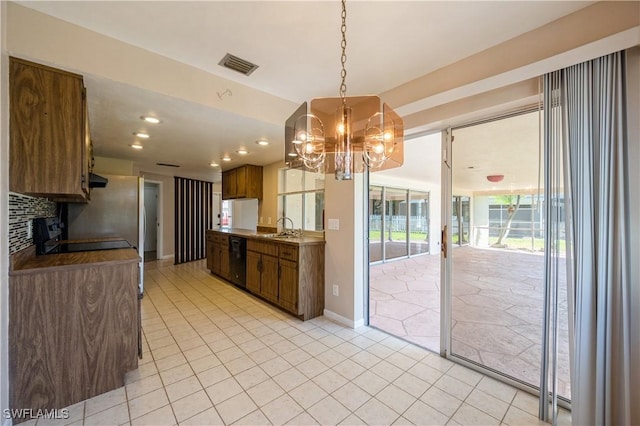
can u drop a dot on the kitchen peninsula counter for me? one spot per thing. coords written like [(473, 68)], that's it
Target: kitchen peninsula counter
[(248, 233), (28, 262), (288, 272), (73, 325)]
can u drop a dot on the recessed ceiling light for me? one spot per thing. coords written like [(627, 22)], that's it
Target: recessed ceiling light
[(292, 154), (242, 151), (142, 135), (262, 142), (148, 119), (214, 164), (226, 158), (136, 146)]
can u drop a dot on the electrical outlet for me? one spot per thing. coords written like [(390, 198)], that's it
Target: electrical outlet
[(269, 221), (261, 219), (336, 290)]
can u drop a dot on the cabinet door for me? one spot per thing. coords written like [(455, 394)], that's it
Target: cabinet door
[(253, 272), (215, 258), (229, 185), (241, 182), (224, 262), (288, 292), (254, 182), (210, 254), (269, 286), (46, 130)]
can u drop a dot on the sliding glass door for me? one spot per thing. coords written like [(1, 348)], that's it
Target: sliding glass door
[(495, 265)]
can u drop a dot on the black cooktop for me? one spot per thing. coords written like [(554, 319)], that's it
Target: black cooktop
[(90, 246)]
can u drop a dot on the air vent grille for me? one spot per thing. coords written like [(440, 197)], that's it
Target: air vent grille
[(167, 165), (237, 64)]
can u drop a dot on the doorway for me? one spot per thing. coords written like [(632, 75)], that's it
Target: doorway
[(403, 222), (152, 249)]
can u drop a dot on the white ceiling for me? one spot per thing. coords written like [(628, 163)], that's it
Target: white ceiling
[(296, 45)]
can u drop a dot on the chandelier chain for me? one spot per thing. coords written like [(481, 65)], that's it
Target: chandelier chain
[(343, 57)]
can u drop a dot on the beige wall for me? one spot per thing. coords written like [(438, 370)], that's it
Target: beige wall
[(341, 263), (268, 206), (113, 166)]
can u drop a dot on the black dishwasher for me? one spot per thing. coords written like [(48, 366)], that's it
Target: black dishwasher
[(238, 260)]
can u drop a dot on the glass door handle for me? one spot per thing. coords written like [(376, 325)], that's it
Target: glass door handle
[(443, 242)]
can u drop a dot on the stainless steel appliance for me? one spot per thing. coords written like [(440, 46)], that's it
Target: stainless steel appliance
[(116, 210), (73, 247), (238, 260)]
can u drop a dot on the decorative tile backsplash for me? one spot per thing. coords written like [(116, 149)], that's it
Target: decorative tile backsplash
[(22, 209)]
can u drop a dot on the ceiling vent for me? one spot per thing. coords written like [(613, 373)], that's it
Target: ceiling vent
[(237, 64), (167, 165)]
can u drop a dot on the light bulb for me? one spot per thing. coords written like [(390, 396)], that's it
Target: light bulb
[(387, 136), (341, 128), (378, 148)]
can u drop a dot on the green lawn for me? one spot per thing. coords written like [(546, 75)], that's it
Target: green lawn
[(525, 243), (510, 243), (399, 236)]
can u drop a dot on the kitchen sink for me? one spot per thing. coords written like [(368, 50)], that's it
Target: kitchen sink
[(283, 235)]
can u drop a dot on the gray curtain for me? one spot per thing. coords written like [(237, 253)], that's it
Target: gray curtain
[(591, 96)]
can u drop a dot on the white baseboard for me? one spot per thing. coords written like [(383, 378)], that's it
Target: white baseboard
[(167, 256), (343, 320)]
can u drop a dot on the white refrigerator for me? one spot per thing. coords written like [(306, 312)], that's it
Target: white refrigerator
[(116, 210)]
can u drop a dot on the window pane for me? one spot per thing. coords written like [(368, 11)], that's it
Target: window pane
[(313, 181), (314, 211), (419, 222), (291, 180)]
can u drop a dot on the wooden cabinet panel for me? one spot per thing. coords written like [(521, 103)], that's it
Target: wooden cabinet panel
[(47, 131), (223, 254), (269, 285), (290, 275), (253, 272), (210, 253), (242, 182), (288, 290), (218, 254), (73, 333)]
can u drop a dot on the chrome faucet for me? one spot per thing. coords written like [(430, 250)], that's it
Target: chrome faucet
[(285, 231), (284, 225)]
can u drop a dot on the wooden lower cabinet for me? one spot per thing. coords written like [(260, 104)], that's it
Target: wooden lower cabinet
[(269, 287), (262, 275), (289, 274), (254, 274), (73, 332), (288, 289), (218, 254)]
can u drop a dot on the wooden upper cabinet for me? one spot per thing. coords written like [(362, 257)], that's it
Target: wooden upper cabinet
[(242, 182), (48, 132)]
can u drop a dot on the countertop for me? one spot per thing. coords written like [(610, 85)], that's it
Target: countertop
[(248, 233), (26, 261)]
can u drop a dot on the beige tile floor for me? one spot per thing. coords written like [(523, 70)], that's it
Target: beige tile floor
[(496, 315), (215, 355)]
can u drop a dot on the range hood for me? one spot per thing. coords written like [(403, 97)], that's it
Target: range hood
[(96, 181)]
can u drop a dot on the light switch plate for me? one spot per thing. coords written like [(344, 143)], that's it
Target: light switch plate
[(334, 224)]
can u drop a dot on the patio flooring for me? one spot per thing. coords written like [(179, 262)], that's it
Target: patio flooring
[(497, 308)]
